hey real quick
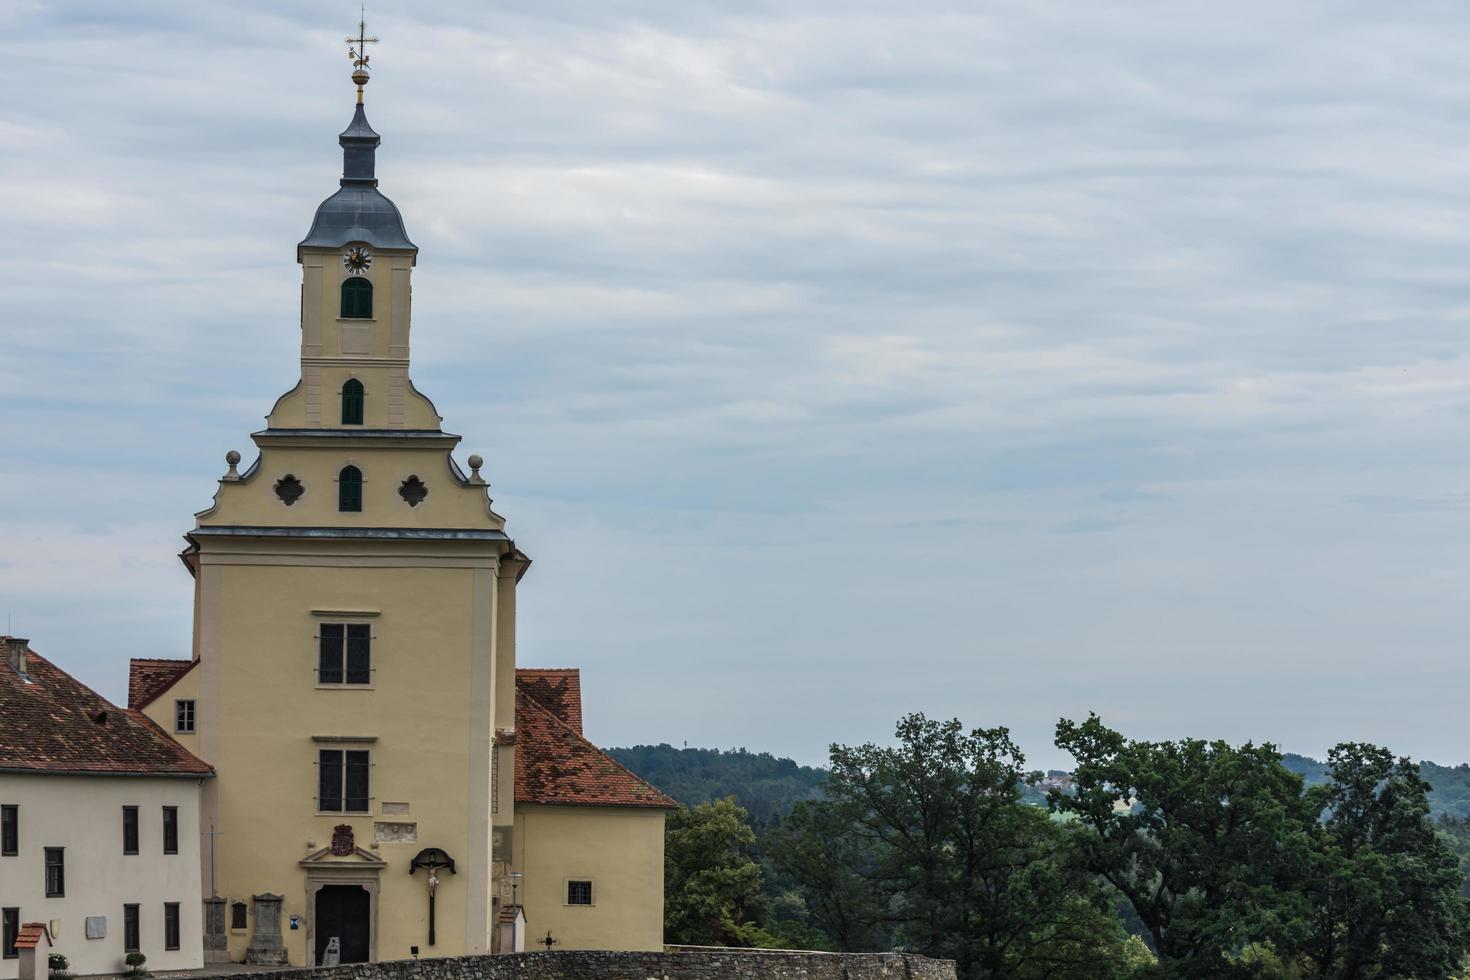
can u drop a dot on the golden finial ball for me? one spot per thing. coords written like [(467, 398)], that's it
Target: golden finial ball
[(360, 77)]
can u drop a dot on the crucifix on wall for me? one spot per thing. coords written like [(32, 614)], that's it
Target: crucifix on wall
[(433, 860)]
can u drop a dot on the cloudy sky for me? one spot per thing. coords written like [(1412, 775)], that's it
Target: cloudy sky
[(833, 360)]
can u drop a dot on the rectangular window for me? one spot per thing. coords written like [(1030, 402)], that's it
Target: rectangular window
[(237, 915), (9, 829), (579, 893), (342, 781), (130, 929), (170, 830), (130, 830), (170, 925), (9, 932), (184, 716), (55, 872), (345, 653)]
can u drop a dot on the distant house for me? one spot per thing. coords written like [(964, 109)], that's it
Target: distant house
[(99, 825)]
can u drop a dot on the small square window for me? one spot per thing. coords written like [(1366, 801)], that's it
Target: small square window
[(184, 716), (579, 893)]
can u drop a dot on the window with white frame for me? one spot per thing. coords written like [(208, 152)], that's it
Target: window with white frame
[(184, 716), (344, 653), (342, 780)]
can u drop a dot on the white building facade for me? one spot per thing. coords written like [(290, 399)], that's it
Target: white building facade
[(99, 826)]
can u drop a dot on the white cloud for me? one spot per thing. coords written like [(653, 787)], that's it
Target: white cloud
[(1065, 356)]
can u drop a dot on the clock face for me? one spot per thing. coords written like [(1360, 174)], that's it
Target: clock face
[(357, 260)]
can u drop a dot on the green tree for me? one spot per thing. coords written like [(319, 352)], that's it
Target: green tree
[(1204, 839), (931, 836), (1383, 888), (815, 848), (713, 890), (1455, 832)]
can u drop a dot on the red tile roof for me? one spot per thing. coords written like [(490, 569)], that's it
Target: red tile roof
[(555, 764), (30, 935), (558, 690), (55, 723), (147, 679)]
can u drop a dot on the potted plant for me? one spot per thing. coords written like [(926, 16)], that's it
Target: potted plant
[(136, 970), (58, 966)]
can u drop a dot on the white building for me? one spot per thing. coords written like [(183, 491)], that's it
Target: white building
[(99, 825)]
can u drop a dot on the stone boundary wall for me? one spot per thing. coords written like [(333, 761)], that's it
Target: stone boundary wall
[(687, 963)]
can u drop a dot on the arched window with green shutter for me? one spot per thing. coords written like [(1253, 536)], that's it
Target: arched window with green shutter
[(357, 298), (352, 402), (349, 489)]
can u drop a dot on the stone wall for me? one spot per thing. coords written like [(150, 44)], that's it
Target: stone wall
[(686, 963)]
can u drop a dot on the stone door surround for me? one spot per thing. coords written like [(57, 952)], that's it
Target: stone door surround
[(360, 868)]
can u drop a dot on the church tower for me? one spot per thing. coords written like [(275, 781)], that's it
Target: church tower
[(387, 783), (353, 673)]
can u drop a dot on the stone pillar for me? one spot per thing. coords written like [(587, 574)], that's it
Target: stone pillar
[(216, 942), (266, 948)]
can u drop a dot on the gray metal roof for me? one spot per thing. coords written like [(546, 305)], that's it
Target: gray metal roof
[(380, 533), (435, 434), (358, 212)]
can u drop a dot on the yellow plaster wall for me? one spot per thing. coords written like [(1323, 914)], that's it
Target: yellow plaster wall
[(375, 350), (161, 710), (620, 849), (253, 501), (264, 707)]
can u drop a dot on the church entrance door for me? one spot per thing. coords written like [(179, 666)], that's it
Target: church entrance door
[(344, 911)]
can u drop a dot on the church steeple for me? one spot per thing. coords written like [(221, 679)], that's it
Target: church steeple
[(359, 146), (358, 212), (356, 300)]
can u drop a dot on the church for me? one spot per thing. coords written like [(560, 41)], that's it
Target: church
[(387, 782)]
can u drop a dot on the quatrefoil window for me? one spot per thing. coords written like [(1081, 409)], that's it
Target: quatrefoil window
[(413, 491), (289, 489)]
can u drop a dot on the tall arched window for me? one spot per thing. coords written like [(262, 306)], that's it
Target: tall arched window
[(357, 298), (352, 402), (349, 489)]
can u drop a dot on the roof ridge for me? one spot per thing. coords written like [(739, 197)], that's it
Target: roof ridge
[(161, 660), (591, 745)]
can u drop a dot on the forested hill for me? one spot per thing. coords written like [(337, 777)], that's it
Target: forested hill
[(1450, 795), (766, 786)]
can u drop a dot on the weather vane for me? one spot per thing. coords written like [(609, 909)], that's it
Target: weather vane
[(357, 51)]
